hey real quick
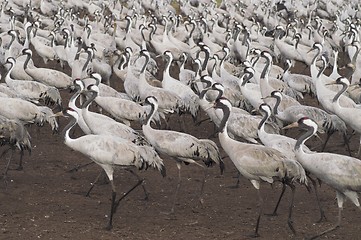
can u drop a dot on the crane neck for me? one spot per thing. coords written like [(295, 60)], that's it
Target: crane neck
[(7, 74), (151, 114), (77, 55), (322, 69), (88, 60), (277, 104), (90, 98), (338, 95), (167, 66), (73, 99), (206, 59), (263, 121), (245, 79), (303, 138), (266, 69), (26, 62), (145, 63), (67, 129), (315, 57), (223, 125)]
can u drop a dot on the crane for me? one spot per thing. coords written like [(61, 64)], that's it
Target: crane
[(258, 163), (184, 148), (342, 173), (109, 152)]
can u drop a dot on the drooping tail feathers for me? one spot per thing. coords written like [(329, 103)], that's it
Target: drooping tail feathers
[(151, 158)]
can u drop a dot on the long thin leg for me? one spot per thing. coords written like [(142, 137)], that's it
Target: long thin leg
[(114, 195), (260, 212), (332, 228), (201, 200), (178, 186), (238, 180), (274, 213), (115, 204), (126, 194), (75, 169), (20, 166), (139, 179), (7, 166), (326, 141), (93, 184), (322, 213), (359, 150), (347, 143), (289, 220)]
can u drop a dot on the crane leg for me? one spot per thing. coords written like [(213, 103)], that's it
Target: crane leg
[(201, 200), (7, 165), (139, 179), (75, 169), (115, 204), (126, 194), (20, 166), (347, 143), (332, 228), (260, 211), (359, 150), (329, 134), (289, 220), (322, 213), (177, 189), (238, 180), (93, 184), (274, 213), (112, 206)]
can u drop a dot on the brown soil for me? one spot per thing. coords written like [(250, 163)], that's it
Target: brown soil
[(45, 201)]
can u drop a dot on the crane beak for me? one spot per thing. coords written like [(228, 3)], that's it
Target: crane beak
[(331, 83), (58, 114), (263, 98), (292, 125), (310, 50)]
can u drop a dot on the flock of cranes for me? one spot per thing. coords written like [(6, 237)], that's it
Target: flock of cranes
[(231, 60)]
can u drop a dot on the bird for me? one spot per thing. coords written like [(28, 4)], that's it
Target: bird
[(182, 147), (327, 123), (169, 83), (103, 125), (285, 145), (14, 134), (168, 102), (46, 76), (109, 152), (299, 82), (32, 90), (340, 172), (258, 163), (241, 124), (266, 88), (349, 115)]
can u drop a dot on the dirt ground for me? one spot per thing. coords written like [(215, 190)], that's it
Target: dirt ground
[(46, 201)]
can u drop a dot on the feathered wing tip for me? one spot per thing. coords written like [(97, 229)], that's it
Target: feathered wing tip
[(48, 115), (337, 124), (151, 158), (296, 172), (213, 154), (51, 96), (14, 132)]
